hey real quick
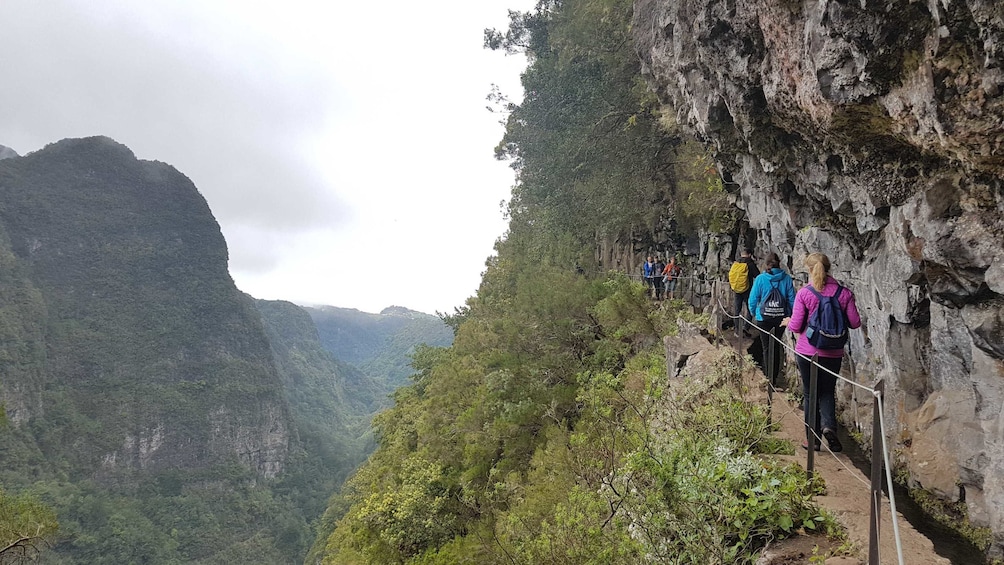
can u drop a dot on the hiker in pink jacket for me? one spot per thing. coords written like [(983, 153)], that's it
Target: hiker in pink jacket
[(820, 288)]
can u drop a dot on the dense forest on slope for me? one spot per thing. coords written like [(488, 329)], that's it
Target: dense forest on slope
[(531, 439), (155, 412), (378, 344), (142, 397), (332, 423)]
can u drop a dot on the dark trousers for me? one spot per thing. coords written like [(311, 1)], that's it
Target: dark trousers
[(742, 301), (826, 385), (771, 327)]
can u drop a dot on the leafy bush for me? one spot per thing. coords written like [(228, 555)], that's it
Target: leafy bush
[(26, 524), (704, 499), (698, 492)]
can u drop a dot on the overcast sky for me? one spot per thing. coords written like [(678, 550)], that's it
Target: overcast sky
[(344, 147)]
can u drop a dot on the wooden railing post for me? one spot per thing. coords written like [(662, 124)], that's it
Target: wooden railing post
[(876, 490)]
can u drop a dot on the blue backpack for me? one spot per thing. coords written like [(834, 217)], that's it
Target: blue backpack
[(828, 324), (774, 305)]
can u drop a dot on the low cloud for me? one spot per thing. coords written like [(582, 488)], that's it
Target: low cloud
[(233, 126)]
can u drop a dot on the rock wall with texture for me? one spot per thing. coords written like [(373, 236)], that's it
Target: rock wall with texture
[(873, 132)]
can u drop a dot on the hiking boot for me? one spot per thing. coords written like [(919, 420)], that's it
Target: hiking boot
[(833, 441), (805, 446)]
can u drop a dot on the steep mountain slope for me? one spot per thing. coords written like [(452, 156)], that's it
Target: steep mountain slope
[(146, 403), (331, 415), (135, 351), (378, 344)]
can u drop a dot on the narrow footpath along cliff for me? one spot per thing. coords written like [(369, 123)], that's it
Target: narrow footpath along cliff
[(873, 132)]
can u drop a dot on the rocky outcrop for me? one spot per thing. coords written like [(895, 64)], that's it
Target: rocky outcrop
[(873, 132)]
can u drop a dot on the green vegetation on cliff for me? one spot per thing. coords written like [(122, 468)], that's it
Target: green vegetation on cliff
[(332, 423), (128, 327), (379, 345), (533, 439), (596, 157), (546, 433)]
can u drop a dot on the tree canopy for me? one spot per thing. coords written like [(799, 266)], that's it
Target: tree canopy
[(26, 525)]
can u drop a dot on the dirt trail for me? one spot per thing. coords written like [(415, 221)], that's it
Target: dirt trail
[(848, 498), (848, 489)]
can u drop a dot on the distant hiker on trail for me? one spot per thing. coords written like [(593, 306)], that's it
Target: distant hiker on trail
[(771, 301), (657, 277), (670, 274), (741, 277), (822, 315), (649, 272)]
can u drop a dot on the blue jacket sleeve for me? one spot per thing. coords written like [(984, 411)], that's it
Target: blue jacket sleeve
[(754, 299)]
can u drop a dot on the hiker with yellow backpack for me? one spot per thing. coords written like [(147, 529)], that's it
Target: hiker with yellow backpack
[(741, 276)]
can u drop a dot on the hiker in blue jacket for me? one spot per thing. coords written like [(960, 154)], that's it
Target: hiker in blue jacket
[(648, 270), (771, 311)]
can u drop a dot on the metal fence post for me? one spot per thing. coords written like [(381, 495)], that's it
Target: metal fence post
[(876, 502), (810, 417), (767, 342)]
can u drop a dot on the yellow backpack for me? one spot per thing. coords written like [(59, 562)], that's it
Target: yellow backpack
[(739, 277)]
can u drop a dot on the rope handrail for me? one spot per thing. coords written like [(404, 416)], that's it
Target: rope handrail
[(882, 429), (889, 482), (792, 349), (675, 277)]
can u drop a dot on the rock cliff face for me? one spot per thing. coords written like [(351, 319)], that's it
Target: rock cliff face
[(125, 344), (873, 132)]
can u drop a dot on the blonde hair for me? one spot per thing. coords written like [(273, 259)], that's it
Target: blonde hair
[(819, 266)]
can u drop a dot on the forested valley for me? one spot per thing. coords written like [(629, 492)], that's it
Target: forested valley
[(151, 412), (528, 440)]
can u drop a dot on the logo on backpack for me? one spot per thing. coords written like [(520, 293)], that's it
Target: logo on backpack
[(827, 328), (739, 277), (774, 305)]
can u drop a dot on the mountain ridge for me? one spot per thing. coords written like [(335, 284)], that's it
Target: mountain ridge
[(164, 414), (378, 343)]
